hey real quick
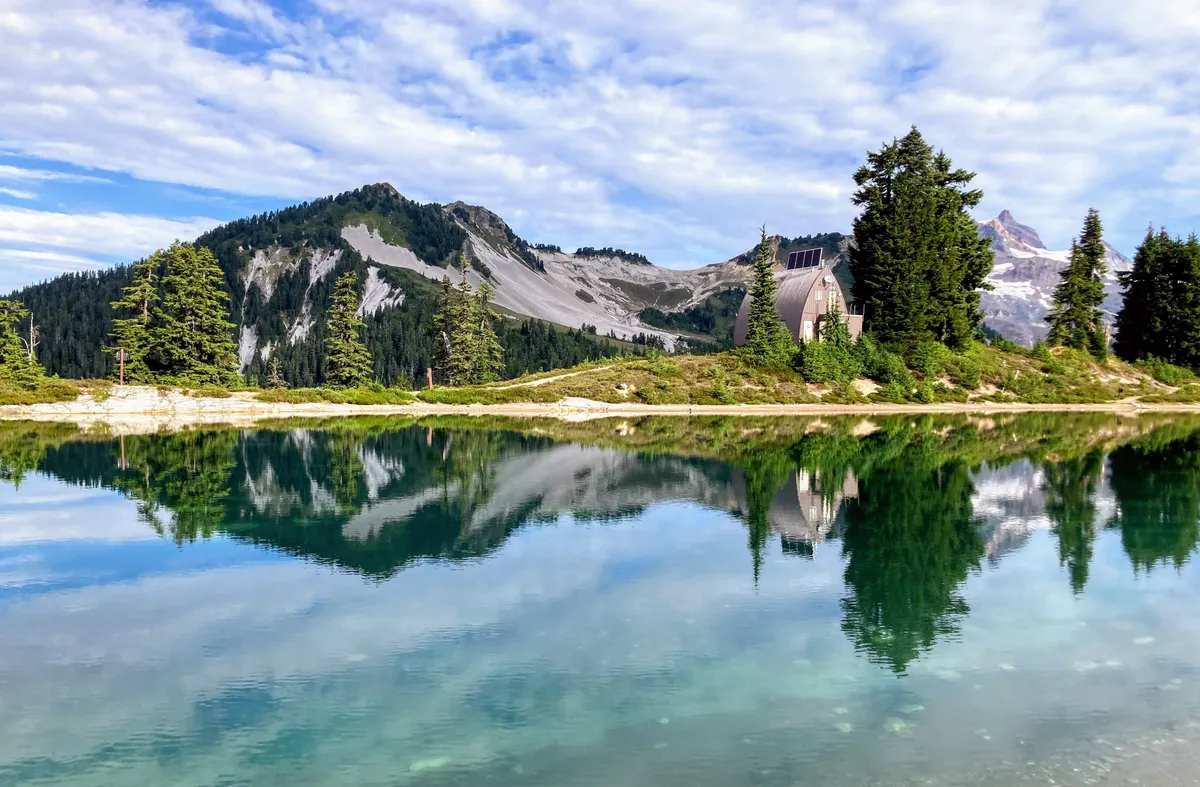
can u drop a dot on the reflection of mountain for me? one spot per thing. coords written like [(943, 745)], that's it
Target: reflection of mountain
[(916, 503)]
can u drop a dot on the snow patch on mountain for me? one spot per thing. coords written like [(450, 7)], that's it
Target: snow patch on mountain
[(1024, 276)]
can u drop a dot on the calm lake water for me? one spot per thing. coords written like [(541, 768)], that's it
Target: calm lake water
[(712, 602)]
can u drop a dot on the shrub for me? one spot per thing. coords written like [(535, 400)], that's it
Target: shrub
[(883, 366), (1165, 372), (826, 362), (965, 373), (930, 359), (719, 389), (1041, 351)]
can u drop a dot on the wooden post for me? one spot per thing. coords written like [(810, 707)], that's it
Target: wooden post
[(429, 376)]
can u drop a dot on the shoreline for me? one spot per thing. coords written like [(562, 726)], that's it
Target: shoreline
[(133, 406)]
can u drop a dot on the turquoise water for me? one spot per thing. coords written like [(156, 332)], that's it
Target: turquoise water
[(653, 602)]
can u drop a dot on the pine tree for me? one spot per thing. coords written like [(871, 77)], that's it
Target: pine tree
[(347, 361), (275, 374), (489, 354), (18, 366), (1160, 312), (135, 334), (917, 259), (768, 340), (1075, 320), (194, 335)]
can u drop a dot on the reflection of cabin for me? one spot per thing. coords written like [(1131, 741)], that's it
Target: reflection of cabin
[(805, 290), (800, 514)]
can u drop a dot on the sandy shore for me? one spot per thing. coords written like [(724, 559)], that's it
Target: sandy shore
[(132, 408)]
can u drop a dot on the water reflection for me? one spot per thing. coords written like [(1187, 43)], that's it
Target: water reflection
[(640, 601), (916, 503)]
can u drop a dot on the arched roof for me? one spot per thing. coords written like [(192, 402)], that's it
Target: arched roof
[(794, 289)]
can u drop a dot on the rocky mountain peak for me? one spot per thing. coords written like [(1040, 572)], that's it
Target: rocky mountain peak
[(1008, 233)]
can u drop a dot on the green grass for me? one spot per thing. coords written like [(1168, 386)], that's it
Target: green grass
[(980, 373), (47, 391), (359, 396)]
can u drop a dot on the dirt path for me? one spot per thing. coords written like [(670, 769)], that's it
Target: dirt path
[(131, 409), (544, 380)]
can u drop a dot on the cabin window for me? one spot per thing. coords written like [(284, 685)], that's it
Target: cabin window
[(820, 295)]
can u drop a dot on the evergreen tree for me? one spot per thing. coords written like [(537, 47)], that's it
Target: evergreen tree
[(768, 340), (195, 336), (135, 333), (489, 355), (467, 350), (1160, 313), (347, 361), (917, 259), (1075, 320), (18, 363), (451, 333)]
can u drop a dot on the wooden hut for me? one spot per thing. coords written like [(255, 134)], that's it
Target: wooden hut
[(805, 290)]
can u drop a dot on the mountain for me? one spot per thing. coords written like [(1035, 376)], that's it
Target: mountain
[(279, 269), (1024, 277)]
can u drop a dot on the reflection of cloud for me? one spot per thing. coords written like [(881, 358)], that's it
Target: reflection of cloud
[(46, 511)]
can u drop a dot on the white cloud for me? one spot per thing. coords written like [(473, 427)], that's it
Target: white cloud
[(35, 243), (17, 193), (10, 173), (661, 126)]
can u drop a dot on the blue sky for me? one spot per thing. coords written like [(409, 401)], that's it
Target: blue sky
[(668, 127)]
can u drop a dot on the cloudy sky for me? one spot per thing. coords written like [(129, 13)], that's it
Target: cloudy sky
[(668, 127)]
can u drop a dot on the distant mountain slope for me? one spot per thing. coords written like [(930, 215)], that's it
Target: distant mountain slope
[(279, 268), (1025, 275)]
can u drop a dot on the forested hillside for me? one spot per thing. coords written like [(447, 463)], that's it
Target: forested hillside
[(279, 269)]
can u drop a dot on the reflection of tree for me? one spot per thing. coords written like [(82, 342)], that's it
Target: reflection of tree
[(766, 472), (22, 446), (910, 538), (186, 474), (345, 467), (1157, 486), (467, 467), (1070, 487)]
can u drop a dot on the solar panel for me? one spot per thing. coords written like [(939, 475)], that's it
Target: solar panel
[(805, 258)]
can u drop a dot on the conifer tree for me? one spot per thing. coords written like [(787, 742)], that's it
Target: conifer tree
[(135, 333), (452, 352), (489, 354), (1160, 312), (347, 361), (917, 259), (768, 340), (195, 336), (18, 366), (1076, 321)]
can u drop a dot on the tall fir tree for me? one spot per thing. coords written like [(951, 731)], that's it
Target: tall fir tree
[(347, 360), (195, 335), (18, 366), (135, 333), (768, 340), (1160, 311), (452, 332), (1075, 320), (489, 354), (917, 259)]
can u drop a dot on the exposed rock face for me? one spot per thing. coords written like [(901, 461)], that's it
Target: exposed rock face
[(1024, 277), (548, 284), (609, 291)]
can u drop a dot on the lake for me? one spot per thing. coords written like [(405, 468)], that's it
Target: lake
[(984, 600)]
